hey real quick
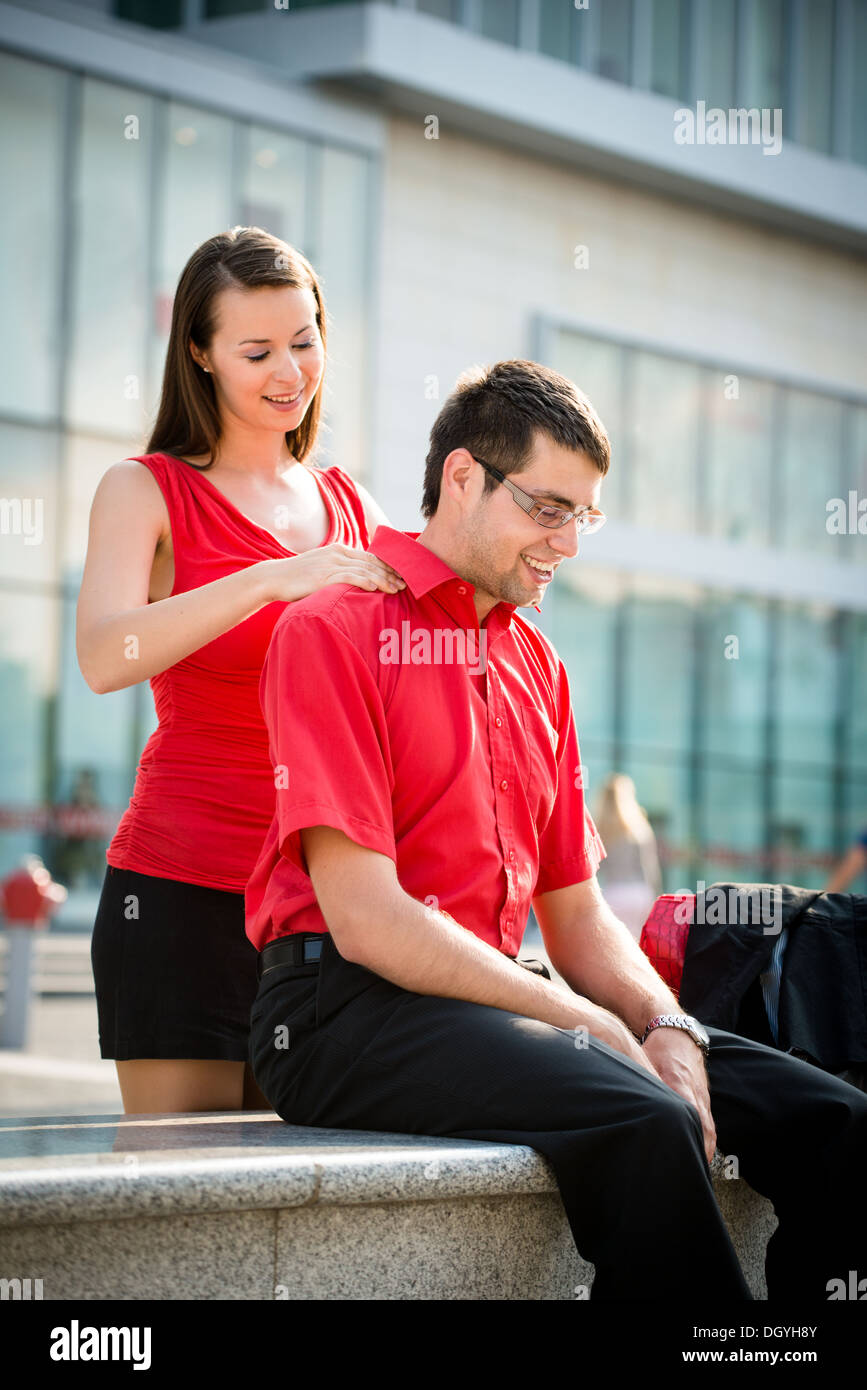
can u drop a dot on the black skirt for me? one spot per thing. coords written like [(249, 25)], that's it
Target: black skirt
[(175, 973)]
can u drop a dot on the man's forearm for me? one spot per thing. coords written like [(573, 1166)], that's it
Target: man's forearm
[(606, 964), (422, 950)]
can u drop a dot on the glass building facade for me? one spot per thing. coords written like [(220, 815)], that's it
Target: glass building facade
[(122, 185), (740, 717)]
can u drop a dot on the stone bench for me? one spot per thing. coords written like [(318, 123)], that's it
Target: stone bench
[(243, 1206)]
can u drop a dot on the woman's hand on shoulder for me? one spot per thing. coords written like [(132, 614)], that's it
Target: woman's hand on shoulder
[(300, 575)]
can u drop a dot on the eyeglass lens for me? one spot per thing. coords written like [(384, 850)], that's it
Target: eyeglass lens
[(553, 517)]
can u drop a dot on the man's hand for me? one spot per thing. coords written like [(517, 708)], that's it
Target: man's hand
[(610, 1029), (679, 1062)]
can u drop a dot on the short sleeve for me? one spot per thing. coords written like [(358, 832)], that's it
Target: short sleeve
[(328, 737), (570, 847)]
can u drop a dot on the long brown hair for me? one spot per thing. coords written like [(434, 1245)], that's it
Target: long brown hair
[(618, 815), (188, 420)]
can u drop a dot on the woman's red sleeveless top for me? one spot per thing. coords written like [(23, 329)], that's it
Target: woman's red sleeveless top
[(204, 790)]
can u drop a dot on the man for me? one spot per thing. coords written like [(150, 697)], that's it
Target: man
[(429, 787)]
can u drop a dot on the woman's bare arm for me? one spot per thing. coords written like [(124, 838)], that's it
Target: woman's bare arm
[(374, 515), (122, 639)]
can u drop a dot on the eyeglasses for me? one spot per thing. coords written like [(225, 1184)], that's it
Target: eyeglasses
[(589, 518)]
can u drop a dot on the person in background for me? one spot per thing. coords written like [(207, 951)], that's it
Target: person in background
[(630, 877), (853, 863)]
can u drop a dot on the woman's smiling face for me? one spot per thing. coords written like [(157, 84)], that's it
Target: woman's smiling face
[(266, 345)]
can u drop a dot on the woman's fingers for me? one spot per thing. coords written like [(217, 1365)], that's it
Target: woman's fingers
[(370, 579)]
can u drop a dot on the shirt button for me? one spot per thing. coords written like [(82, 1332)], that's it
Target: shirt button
[(512, 855), (461, 589), (498, 721), (504, 786)]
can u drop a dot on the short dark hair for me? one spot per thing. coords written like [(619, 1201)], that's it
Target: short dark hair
[(496, 412)]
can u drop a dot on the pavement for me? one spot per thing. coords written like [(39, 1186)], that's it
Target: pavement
[(60, 1071)]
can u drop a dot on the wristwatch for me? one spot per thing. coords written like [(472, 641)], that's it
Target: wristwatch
[(686, 1023)]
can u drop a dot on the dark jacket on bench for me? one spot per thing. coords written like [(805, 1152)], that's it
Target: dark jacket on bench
[(823, 987)]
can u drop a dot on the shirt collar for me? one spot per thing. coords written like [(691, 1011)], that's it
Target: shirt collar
[(423, 571)]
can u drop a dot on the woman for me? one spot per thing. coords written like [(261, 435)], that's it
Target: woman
[(194, 548), (629, 876)]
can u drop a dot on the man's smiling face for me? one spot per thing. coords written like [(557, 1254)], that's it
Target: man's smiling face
[(500, 543)]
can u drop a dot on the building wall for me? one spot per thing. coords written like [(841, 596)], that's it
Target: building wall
[(477, 239)]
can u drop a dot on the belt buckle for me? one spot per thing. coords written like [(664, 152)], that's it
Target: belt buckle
[(310, 951)]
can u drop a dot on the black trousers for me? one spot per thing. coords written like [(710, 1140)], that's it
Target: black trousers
[(337, 1046)]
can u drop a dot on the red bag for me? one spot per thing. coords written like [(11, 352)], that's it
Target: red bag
[(664, 935)]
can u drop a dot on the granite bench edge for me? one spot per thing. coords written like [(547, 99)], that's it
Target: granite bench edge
[(303, 1166)]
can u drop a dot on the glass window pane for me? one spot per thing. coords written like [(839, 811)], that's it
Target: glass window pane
[(615, 33), (555, 29), (740, 444), (732, 820), (658, 666), (86, 458), (32, 113), (762, 82), (159, 14), (342, 262), (29, 472), (442, 9), (803, 847), (196, 169), (28, 681), (217, 9), (95, 766), (662, 789), (715, 57), (108, 343), (810, 473), (856, 724), (500, 20), (274, 185), (814, 93), (583, 620), (805, 695), (733, 672), (858, 87), (853, 545), (320, 4), (664, 416), (596, 367), (667, 45)]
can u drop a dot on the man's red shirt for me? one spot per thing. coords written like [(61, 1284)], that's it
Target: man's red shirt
[(450, 748)]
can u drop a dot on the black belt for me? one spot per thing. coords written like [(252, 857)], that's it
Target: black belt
[(305, 948), (299, 949)]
